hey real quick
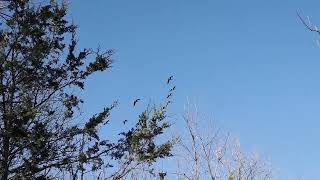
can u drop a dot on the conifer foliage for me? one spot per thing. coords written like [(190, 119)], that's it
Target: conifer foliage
[(40, 69)]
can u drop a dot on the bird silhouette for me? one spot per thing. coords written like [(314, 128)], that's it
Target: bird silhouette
[(135, 102), (169, 79), (124, 122), (174, 88), (169, 95)]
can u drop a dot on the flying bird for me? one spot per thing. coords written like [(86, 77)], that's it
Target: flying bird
[(169, 79), (135, 102), (174, 88), (124, 122), (169, 95)]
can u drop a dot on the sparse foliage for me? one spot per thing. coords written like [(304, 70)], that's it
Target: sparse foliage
[(207, 153)]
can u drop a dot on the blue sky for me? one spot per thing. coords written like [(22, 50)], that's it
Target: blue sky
[(250, 64)]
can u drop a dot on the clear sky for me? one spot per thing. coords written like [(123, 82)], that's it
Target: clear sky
[(251, 64)]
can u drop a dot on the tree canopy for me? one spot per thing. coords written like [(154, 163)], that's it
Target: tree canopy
[(40, 134)]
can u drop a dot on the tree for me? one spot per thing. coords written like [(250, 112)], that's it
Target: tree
[(204, 151), (40, 69), (210, 154)]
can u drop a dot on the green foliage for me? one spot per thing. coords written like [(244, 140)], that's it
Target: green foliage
[(39, 132), (140, 141), (231, 177)]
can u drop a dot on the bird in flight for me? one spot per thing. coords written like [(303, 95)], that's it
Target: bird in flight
[(174, 88), (124, 122), (169, 95), (169, 79), (135, 102)]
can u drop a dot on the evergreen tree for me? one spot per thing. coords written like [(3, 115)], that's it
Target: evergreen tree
[(40, 135)]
